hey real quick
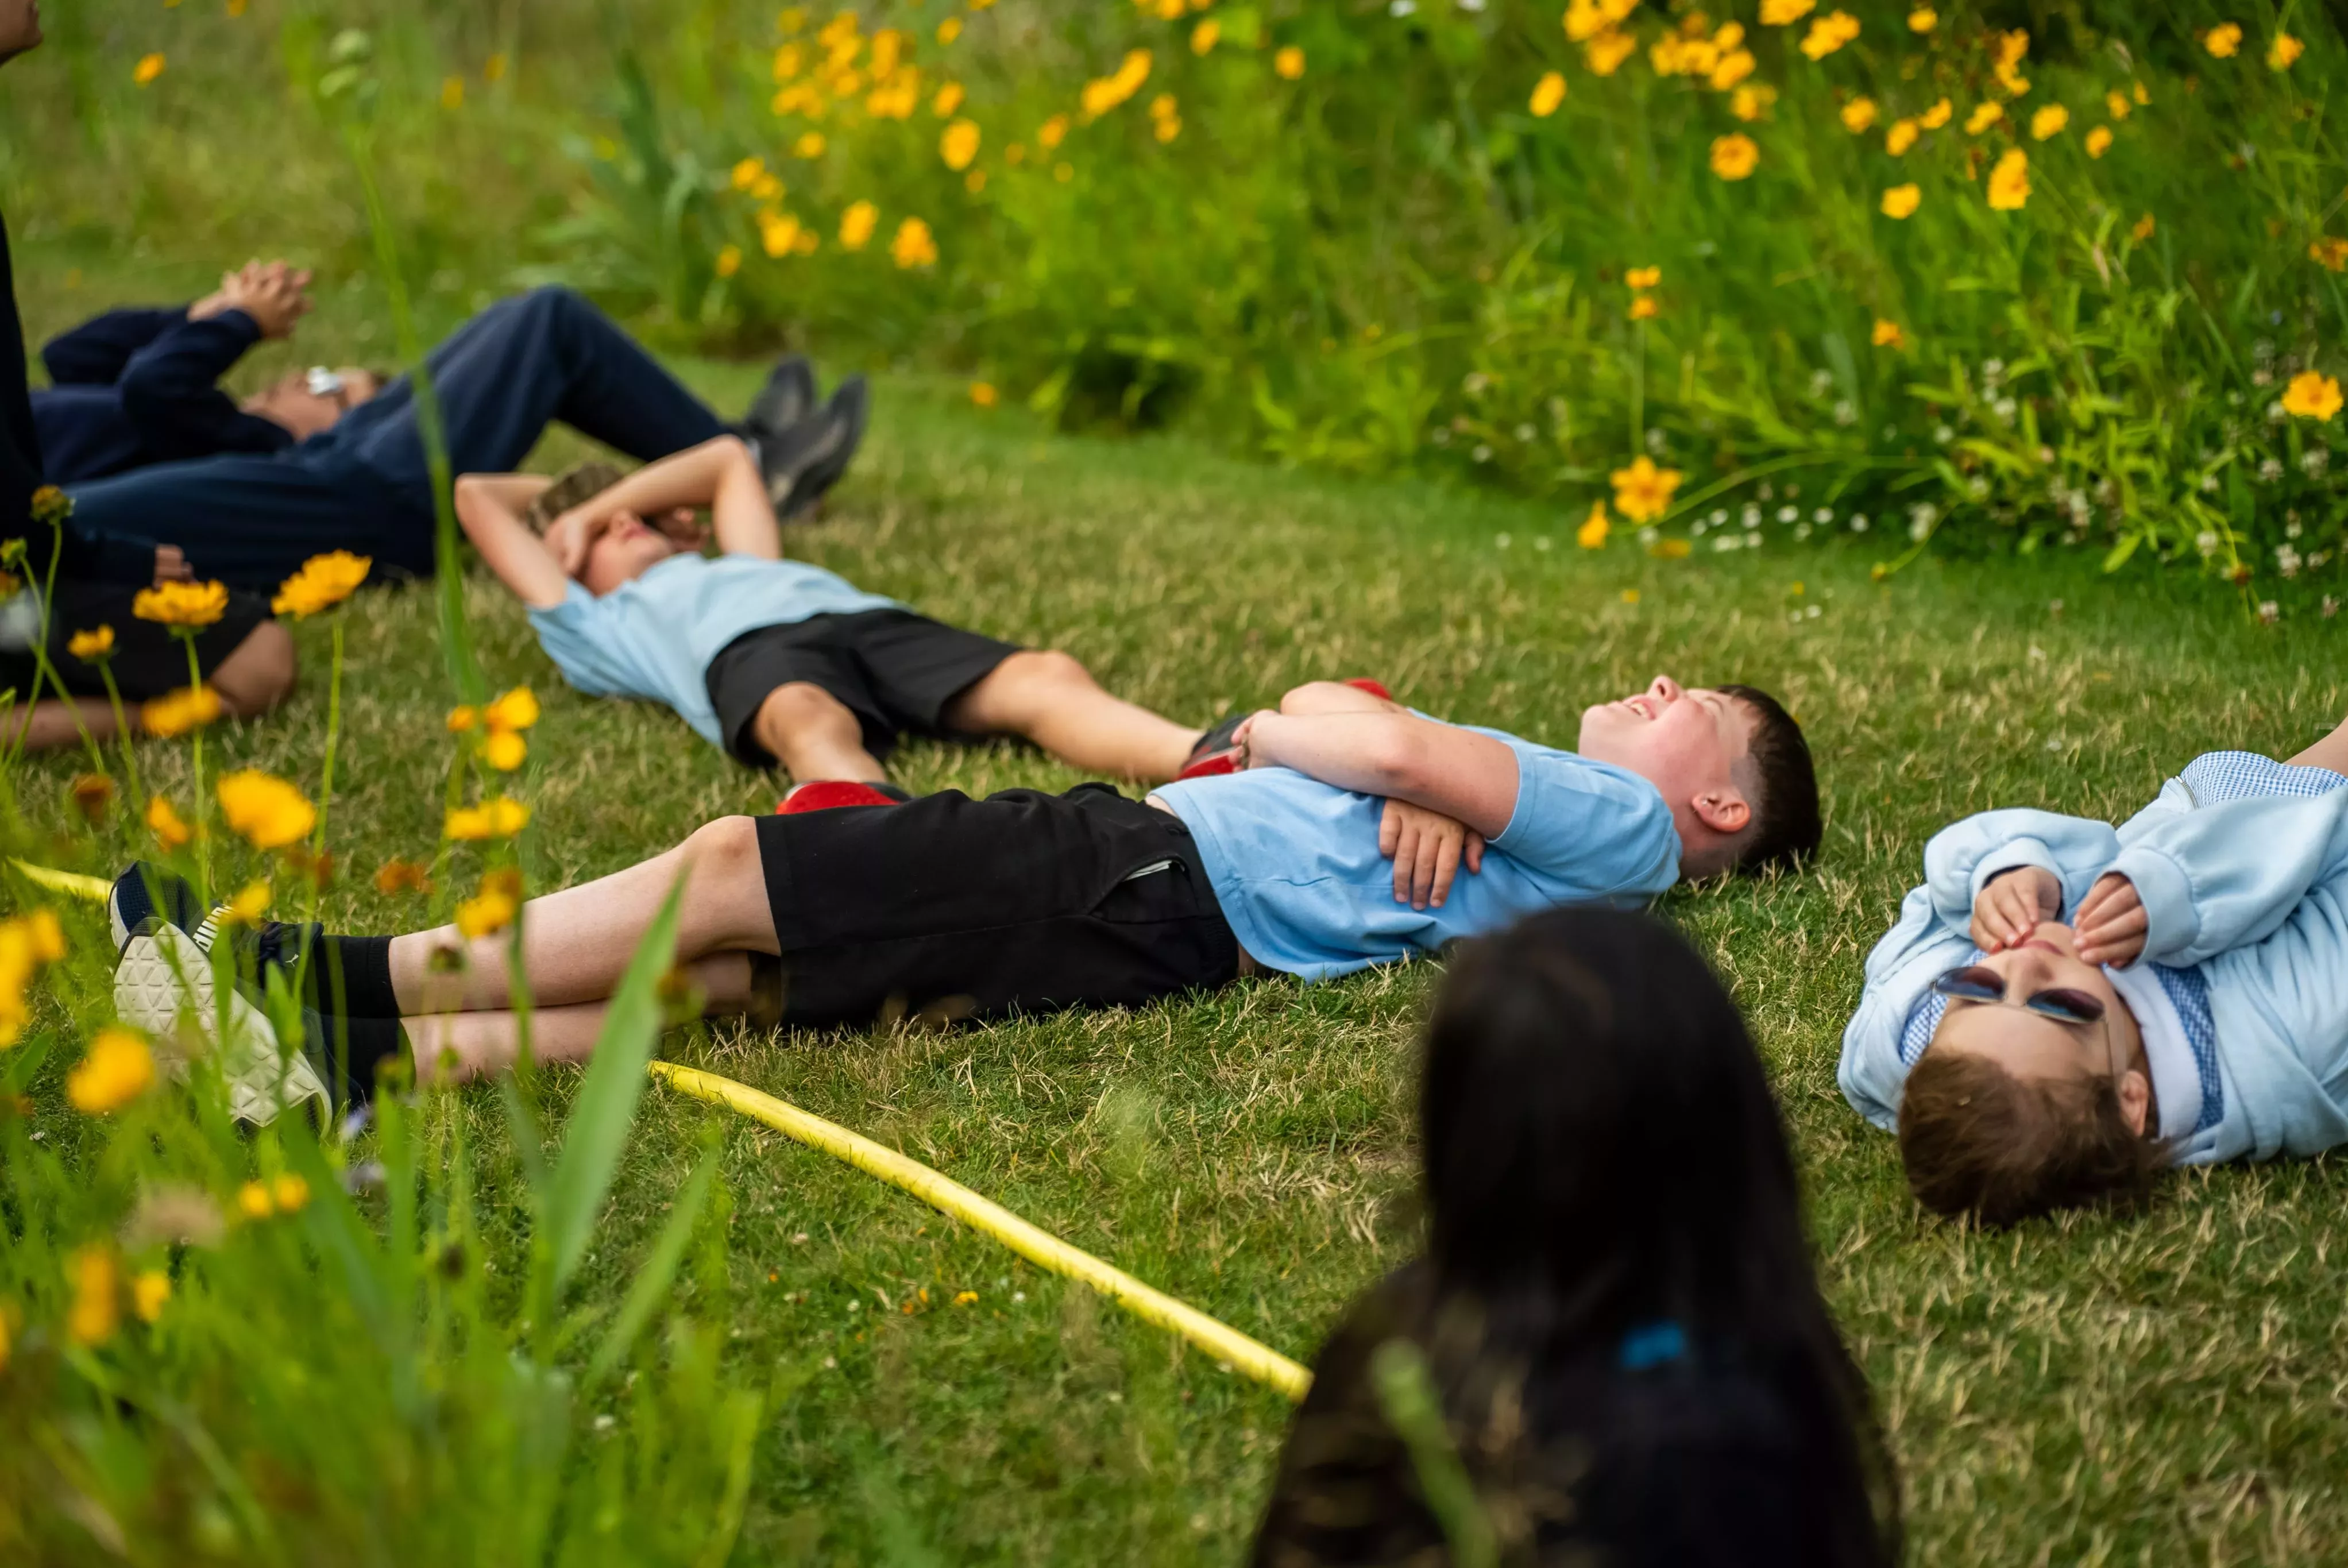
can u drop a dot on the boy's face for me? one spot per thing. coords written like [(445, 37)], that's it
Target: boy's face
[(622, 552), (289, 402), (1691, 746), (2032, 1045), (20, 27)]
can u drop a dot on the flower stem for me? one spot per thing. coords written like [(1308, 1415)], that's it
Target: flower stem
[(122, 734), (326, 782), (203, 841)]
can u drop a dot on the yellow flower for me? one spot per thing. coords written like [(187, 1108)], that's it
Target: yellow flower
[(912, 246), (270, 812), (504, 750), (1751, 101), (118, 1070), (1548, 93), (2144, 229), (983, 394), (493, 70), (1668, 549), (397, 875), (2330, 251), (1630, 595), (50, 505), (290, 1191), (1643, 277), (165, 824), (729, 261), (189, 708), (181, 604), (149, 67), (2312, 395), (323, 582), (1604, 53), (2117, 104), (1936, 116), (1730, 36), (1923, 19), (950, 29), (1901, 200), (958, 145), (97, 1310), (508, 816), (2284, 51), (1733, 67), (1734, 156), (2223, 40), (1982, 118), (1858, 115), (857, 223), (252, 1198), (92, 794), (1887, 334), (1203, 35), (1785, 12), (1103, 94), (248, 906), (1644, 308), (1592, 534), (462, 717), (452, 92), (148, 1293), (1052, 132), (777, 233), (1900, 137), (2099, 141), (494, 907), (2009, 182), (1830, 32), (2049, 122), (1288, 62), (516, 710), (91, 646), (1585, 21), (748, 172), (810, 145), (1643, 491), (948, 99)]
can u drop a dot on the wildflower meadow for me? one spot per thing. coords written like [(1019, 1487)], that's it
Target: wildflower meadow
[(1967, 373)]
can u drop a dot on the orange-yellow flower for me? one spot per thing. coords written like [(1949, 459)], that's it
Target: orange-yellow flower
[(504, 750), (1858, 115), (777, 233), (270, 812), (1923, 19), (397, 875), (1548, 93), (950, 29), (1939, 115), (515, 709), (1643, 277), (984, 395), (748, 172), (1785, 12), (149, 1293), (856, 225), (1900, 137), (2330, 251), (1982, 118), (1592, 534), (97, 1310), (1734, 156), (913, 246), (92, 794), (1887, 334), (118, 1069), (2117, 104), (1203, 35), (92, 646), (1103, 94), (1643, 491), (252, 1199), (2144, 228), (2284, 51), (2312, 395), (1604, 53), (499, 817), (189, 708), (2009, 182), (249, 906), (165, 824), (1289, 63), (1053, 131), (2224, 41), (290, 1192), (323, 582), (1733, 67), (1901, 200), (181, 604), (1662, 550), (494, 907), (729, 261), (1830, 32), (2049, 121), (1751, 101), (1644, 308), (2099, 141), (149, 67), (958, 145)]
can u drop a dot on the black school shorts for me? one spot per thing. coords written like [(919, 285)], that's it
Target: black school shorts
[(952, 908), (148, 661), (896, 671)]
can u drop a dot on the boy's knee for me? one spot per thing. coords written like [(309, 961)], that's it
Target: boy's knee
[(1043, 668), (260, 674), (794, 710), (728, 840)]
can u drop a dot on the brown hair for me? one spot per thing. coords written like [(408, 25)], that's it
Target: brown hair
[(1978, 1141), (581, 483), (1787, 826)]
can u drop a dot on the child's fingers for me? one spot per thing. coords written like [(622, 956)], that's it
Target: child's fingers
[(1447, 867), (1475, 851), (1389, 829), (1405, 861)]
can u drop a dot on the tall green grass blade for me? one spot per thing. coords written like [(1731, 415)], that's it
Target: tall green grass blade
[(653, 1277)]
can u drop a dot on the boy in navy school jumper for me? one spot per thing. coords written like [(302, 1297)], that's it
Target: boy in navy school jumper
[(1325, 852), (138, 386), (245, 656), (2064, 1009), (779, 663)]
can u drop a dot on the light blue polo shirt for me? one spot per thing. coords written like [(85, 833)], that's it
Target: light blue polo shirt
[(652, 637), (1295, 863)]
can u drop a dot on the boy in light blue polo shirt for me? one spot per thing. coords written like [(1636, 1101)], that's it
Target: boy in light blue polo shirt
[(780, 663)]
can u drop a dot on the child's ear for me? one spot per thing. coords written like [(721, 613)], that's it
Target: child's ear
[(2136, 1099), (1724, 811)]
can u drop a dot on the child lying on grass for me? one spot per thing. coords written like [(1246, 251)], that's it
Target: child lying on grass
[(2065, 1009), (1324, 853), (780, 663), (1616, 1307)]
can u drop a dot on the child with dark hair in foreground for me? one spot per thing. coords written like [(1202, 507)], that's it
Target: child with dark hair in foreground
[(1617, 1303), (2064, 1009)]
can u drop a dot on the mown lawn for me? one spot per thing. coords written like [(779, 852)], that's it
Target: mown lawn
[(2087, 1391)]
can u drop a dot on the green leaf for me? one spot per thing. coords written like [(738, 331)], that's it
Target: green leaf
[(654, 1275), (2121, 551), (606, 1106)]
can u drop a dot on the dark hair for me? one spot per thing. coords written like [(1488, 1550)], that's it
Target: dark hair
[(1978, 1141), (1603, 1156), (582, 483), (1787, 827)]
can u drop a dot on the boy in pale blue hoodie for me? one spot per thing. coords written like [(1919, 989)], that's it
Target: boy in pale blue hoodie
[(2063, 1009)]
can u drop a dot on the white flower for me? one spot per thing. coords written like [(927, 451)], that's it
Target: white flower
[(2206, 542), (2276, 414), (1802, 533), (1846, 412), (1858, 524), (1525, 432), (1474, 384), (1403, 9), (2287, 560), (1649, 534), (1482, 454), (1719, 515), (1750, 517), (1752, 541), (1823, 514), (1728, 541), (1943, 434), (1820, 380), (2330, 606), (1501, 540), (2314, 461), (1788, 513), (2270, 470), (1812, 614), (1442, 437), (2269, 611)]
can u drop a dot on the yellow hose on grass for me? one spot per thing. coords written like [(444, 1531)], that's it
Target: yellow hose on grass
[(1039, 1247), (73, 884)]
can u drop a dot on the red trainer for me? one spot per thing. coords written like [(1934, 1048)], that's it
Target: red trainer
[(830, 794), (1375, 689)]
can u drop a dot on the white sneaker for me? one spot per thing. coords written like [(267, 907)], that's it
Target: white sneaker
[(164, 984)]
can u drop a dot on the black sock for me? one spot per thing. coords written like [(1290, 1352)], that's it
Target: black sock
[(351, 976), (354, 1047)]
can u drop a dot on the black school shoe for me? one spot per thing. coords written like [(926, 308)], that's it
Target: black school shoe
[(804, 462), (788, 397)]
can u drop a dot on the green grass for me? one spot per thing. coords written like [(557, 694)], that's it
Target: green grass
[(2081, 1390)]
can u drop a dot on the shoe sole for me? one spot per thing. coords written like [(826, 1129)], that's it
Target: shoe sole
[(164, 977), (855, 398)]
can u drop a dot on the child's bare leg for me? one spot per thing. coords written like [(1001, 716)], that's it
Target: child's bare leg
[(814, 735), (2332, 751), (1050, 698), (577, 944), (255, 677), (453, 1047)]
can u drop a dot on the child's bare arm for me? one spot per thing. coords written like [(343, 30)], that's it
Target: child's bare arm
[(719, 474), (490, 507), (1465, 776), (1315, 697)]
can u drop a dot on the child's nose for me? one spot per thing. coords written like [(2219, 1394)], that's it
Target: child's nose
[(1668, 690)]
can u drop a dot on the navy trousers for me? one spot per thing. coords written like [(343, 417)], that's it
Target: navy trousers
[(251, 520)]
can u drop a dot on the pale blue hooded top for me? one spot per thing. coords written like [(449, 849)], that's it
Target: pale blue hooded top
[(2242, 866)]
